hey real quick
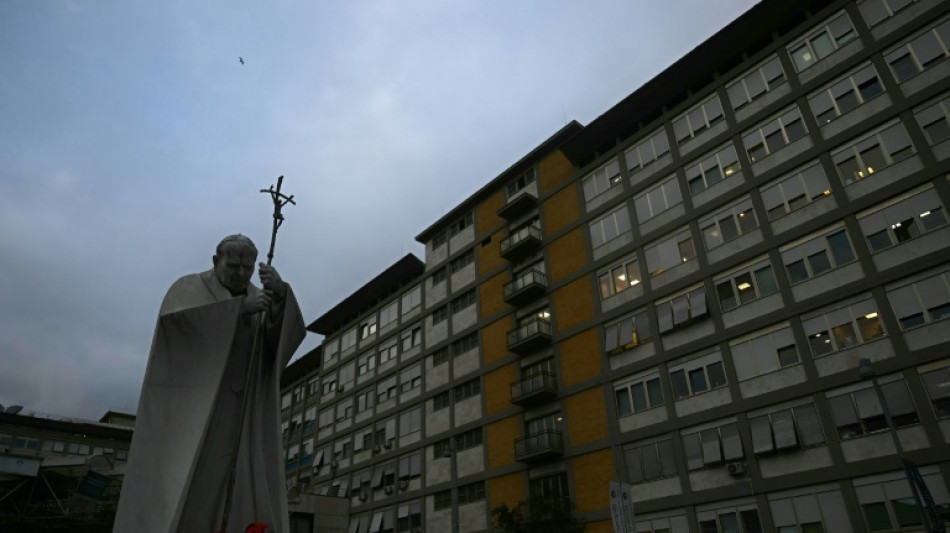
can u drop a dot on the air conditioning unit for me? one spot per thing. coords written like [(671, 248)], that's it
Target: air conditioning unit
[(388, 490), (363, 496), (377, 449), (340, 388), (403, 484), (388, 445), (735, 469)]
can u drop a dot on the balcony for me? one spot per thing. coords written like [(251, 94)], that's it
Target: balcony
[(529, 285), (545, 444), (530, 335), (518, 204), (551, 509), (535, 388), (521, 243)]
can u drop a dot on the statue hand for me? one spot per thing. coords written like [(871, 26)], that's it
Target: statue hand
[(257, 303), (270, 279)]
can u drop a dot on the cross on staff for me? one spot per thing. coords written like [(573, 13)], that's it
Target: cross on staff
[(280, 200)]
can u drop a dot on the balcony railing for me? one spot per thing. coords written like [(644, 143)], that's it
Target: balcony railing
[(544, 444), (529, 285), (521, 243), (530, 335), (534, 388), (518, 204), (540, 509)]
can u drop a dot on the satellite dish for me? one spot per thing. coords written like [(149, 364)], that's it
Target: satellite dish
[(14, 409)]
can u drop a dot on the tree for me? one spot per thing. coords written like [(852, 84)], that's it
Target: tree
[(538, 516)]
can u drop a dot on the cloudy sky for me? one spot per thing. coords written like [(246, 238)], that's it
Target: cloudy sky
[(132, 140)]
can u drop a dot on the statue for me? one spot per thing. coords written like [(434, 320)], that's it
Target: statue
[(206, 448)]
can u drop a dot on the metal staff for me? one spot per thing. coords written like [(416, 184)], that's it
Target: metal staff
[(280, 200)]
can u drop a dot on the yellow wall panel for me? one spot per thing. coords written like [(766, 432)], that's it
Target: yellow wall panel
[(580, 357), (573, 304), (506, 490), (586, 416), (553, 170), (491, 295), (567, 255), (494, 340), (603, 526), (498, 389), (561, 209), (592, 475), (489, 256), (501, 437), (486, 213)]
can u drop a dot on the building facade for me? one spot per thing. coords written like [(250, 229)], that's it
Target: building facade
[(678, 296)]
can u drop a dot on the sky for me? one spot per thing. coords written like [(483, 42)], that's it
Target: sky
[(132, 140)]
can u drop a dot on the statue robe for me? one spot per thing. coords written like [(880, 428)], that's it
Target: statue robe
[(189, 412)]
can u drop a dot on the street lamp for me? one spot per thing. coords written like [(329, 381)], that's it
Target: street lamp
[(866, 371), (450, 454)]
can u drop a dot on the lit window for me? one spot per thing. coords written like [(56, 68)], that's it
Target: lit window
[(598, 181), (902, 220), (712, 169), (627, 332), (795, 190), (745, 285), (822, 42), (619, 277), (842, 328), (729, 224)]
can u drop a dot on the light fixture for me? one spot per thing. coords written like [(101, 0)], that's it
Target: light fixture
[(827, 192), (870, 170), (860, 174), (827, 341), (634, 282), (869, 316), (924, 214), (622, 277), (741, 215), (744, 285)]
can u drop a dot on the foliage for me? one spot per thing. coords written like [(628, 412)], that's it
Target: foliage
[(538, 516)]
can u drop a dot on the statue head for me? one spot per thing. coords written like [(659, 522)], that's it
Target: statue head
[(234, 260)]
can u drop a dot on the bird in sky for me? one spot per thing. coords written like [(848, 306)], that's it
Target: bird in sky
[(241, 59)]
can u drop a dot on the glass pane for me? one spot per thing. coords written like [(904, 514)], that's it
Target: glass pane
[(870, 326), (729, 229), (624, 407), (750, 521), (726, 295), (728, 523), (639, 397), (819, 263), (717, 376), (680, 387), (809, 427), (822, 45), (655, 392), (796, 271), (765, 280), (697, 380), (841, 248), (876, 516), (845, 336)]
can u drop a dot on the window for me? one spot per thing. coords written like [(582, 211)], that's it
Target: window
[(439, 239), (472, 492), (368, 327), (610, 226), (329, 383), (903, 220), (344, 410), (670, 252), (859, 412), (285, 400), (742, 519), (598, 181), (348, 340), (410, 378), (647, 151), (516, 185), (745, 285), (844, 327), (386, 390), (640, 394), (649, 462), (410, 422), (440, 356), (619, 277), (409, 516), (468, 439), (698, 119), (935, 121), (411, 338), (658, 199), (796, 190), (411, 300), (459, 225), (346, 376), (728, 224), (671, 524), (388, 314), (765, 353), (774, 134), (388, 351), (822, 42), (464, 345), (313, 386), (786, 429), (937, 383), (872, 153), (331, 349), (468, 389), (681, 310), (552, 487), (876, 11), (756, 83), (410, 466), (921, 53), (888, 504), (326, 418), (697, 376), (439, 275), (463, 302), (844, 95), (921, 302), (462, 261), (712, 169), (817, 512), (712, 446), (366, 363), (343, 448), (441, 401), (364, 400), (627, 332), (440, 314), (817, 256), (298, 394)]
